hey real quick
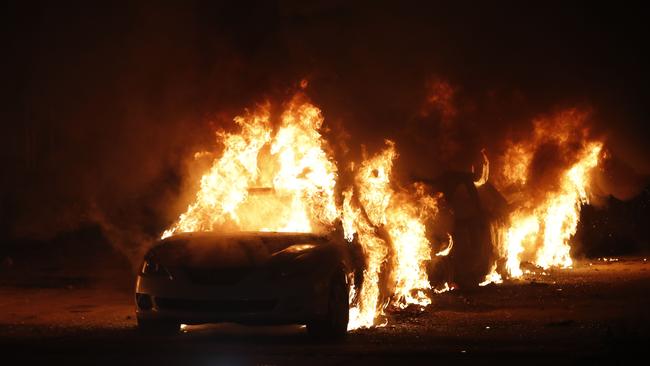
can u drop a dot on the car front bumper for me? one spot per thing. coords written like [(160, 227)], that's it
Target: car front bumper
[(256, 299)]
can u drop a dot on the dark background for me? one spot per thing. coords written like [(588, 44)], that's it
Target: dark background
[(106, 101)]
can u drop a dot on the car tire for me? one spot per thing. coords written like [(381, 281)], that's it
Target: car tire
[(162, 327), (334, 325)]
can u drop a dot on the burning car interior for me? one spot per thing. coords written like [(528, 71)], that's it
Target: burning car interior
[(325, 182)]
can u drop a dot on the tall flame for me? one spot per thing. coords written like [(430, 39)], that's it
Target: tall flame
[(282, 181), (540, 230), (406, 226), (275, 174), (285, 181), (366, 310), (388, 221), (225, 186)]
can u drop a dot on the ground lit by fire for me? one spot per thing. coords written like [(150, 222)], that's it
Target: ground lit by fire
[(597, 309)]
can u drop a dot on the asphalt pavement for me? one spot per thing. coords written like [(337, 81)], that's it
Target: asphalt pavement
[(595, 312)]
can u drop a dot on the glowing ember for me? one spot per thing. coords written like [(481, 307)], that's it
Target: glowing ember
[(492, 277), (444, 288)]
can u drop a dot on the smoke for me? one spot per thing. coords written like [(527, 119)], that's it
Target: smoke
[(109, 103)]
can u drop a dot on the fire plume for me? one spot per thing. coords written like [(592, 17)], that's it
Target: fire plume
[(282, 181), (277, 174), (539, 230), (389, 221)]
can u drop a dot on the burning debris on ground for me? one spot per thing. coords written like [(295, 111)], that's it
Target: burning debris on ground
[(416, 171)]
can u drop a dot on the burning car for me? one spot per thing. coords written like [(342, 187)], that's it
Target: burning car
[(245, 277), (278, 173)]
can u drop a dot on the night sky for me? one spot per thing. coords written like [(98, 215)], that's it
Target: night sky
[(106, 102)]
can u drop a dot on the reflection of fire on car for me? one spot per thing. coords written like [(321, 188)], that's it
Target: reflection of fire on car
[(247, 278)]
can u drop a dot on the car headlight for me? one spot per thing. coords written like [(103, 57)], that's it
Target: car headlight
[(298, 248), (294, 261)]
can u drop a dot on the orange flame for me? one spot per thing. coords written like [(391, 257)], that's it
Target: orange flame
[(445, 252), (485, 170), (367, 309), (492, 277), (401, 217), (278, 176), (285, 181), (282, 181), (540, 230)]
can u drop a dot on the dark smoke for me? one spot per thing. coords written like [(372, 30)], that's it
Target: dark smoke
[(106, 103)]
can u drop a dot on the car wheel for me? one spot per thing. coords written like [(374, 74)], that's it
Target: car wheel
[(162, 327), (335, 323)]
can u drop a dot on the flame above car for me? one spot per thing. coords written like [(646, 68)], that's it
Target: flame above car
[(278, 175)]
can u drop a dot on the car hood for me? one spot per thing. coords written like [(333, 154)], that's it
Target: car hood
[(201, 250)]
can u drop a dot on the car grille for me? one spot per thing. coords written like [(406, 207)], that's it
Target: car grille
[(216, 306), (224, 276)]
